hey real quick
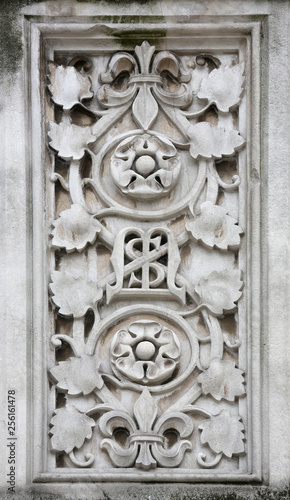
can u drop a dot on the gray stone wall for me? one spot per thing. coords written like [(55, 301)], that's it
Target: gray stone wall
[(26, 400)]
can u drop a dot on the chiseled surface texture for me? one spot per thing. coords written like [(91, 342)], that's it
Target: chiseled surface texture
[(145, 250)]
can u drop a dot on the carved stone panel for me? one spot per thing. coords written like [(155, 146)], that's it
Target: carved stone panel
[(147, 154)]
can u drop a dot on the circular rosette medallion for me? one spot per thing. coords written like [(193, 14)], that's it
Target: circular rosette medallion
[(145, 166), (141, 345), (145, 352)]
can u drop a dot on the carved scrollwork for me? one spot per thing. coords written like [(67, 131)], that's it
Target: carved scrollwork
[(144, 88)]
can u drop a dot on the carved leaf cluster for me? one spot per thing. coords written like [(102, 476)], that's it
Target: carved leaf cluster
[(70, 428), (223, 87), (70, 141), (224, 433), (74, 295), (68, 86), (222, 380), (214, 228), (78, 375), (74, 229), (207, 141), (220, 291)]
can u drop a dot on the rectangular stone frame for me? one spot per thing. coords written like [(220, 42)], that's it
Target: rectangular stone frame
[(43, 39)]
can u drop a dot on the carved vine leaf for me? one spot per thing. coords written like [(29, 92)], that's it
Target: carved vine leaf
[(207, 141), (222, 380), (74, 295), (68, 86), (81, 403), (220, 290), (70, 141), (223, 87), (74, 229), (214, 228), (78, 375), (70, 428), (224, 433)]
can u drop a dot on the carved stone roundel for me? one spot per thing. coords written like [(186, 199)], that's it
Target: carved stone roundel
[(149, 348), (145, 352), (145, 166), (133, 170), (146, 229)]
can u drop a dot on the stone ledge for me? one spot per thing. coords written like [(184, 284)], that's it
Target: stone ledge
[(152, 492)]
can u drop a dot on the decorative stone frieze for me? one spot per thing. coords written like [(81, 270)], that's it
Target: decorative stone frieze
[(166, 121), (149, 361), (144, 249)]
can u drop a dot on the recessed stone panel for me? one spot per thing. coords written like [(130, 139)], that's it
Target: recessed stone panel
[(147, 323)]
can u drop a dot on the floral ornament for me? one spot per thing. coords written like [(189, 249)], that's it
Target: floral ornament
[(223, 87), (222, 380), (70, 428), (74, 229), (145, 352), (224, 433), (214, 228), (219, 291), (146, 444), (70, 141), (78, 375), (68, 86), (74, 295), (147, 87), (207, 141), (145, 166)]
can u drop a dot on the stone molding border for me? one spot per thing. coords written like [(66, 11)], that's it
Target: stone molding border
[(44, 38)]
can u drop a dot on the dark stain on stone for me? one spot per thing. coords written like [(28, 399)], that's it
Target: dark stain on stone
[(11, 44), (162, 492), (11, 41)]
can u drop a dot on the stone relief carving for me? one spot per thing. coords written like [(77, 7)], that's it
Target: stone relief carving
[(145, 352), (146, 239), (145, 166)]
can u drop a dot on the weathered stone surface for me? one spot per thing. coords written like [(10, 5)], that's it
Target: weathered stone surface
[(132, 199)]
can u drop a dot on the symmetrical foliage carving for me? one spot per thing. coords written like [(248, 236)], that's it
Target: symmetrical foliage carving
[(145, 284)]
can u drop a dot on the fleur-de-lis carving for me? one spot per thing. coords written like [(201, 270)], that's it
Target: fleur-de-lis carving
[(131, 78), (146, 443)]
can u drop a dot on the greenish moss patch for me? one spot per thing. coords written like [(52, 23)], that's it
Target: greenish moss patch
[(11, 44)]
